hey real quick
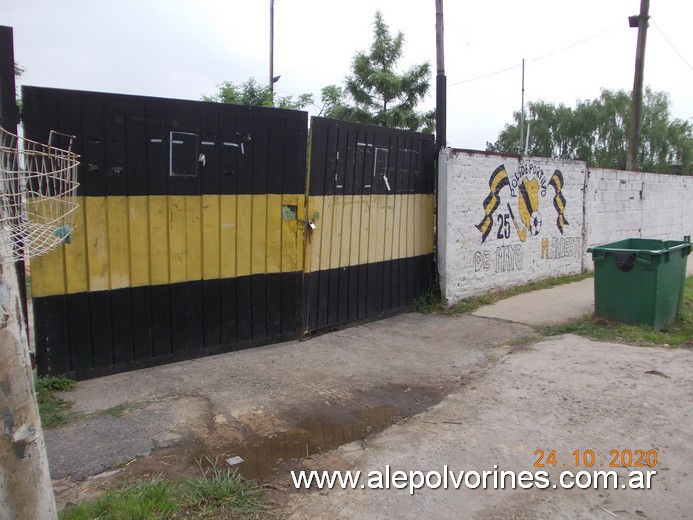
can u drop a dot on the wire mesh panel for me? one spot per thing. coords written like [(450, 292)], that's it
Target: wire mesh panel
[(38, 188)]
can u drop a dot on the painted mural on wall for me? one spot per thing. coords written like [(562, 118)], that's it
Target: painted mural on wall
[(527, 205), (525, 186), (490, 239)]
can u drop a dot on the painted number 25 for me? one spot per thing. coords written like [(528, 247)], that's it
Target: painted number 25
[(503, 226)]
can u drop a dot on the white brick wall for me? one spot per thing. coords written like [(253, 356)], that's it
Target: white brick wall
[(469, 265), (602, 206), (620, 204)]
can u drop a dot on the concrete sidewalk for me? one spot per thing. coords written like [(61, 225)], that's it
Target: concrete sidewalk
[(552, 306), (560, 304)]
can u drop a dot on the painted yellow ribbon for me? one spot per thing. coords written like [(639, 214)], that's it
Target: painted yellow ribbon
[(497, 181), (559, 200)]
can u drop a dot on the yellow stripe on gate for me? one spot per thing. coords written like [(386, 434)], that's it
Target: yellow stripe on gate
[(228, 234), (258, 235), (361, 229), (140, 241), (244, 245), (97, 236), (118, 242), (292, 235), (121, 242), (158, 240), (211, 231), (75, 263)]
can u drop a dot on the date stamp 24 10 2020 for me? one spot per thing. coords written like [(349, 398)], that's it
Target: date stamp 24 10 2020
[(588, 458)]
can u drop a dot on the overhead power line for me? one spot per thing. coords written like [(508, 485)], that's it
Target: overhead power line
[(552, 53), (485, 75), (671, 44)]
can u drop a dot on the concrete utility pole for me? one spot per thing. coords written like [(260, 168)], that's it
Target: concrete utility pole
[(25, 484), (441, 82), (641, 22)]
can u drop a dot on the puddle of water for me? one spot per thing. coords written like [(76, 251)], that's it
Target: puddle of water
[(264, 456)]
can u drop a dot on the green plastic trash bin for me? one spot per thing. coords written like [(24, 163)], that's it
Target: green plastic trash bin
[(640, 280)]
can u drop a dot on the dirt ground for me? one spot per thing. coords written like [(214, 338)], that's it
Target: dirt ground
[(413, 392), (563, 394), (274, 406)]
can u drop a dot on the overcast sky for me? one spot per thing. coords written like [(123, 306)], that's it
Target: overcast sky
[(184, 49)]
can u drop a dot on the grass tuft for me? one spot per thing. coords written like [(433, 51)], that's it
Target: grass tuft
[(220, 489), (60, 383), (678, 333), (217, 491), (119, 410), (471, 304), (431, 301), (145, 500), (523, 341), (54, 411)]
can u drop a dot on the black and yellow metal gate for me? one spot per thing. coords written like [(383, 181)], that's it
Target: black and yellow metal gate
[(193, 235), (181, 247), (370, 198)]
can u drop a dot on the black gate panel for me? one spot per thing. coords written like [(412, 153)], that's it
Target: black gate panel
[(372, 204), (183, 244), (194, 234)]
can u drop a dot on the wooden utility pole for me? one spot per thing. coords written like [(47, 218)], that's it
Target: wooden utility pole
[(9, 117), (641, 22), (25, 483), (271, 59), (441, 82), (522, 112)]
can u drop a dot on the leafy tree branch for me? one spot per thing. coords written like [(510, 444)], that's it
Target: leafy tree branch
[(596, 131)]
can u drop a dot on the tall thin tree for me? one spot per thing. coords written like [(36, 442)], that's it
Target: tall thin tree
[(375, 92)]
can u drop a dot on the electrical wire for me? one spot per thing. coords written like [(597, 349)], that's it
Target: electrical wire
[(671, 44), (552, 53), (485, 75)]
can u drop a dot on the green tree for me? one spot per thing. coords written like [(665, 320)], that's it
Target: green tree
[(375, 92), (596, 131), (255, 94)]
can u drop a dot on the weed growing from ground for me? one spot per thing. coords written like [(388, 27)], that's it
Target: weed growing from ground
[(54, 410), (216, 491)]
